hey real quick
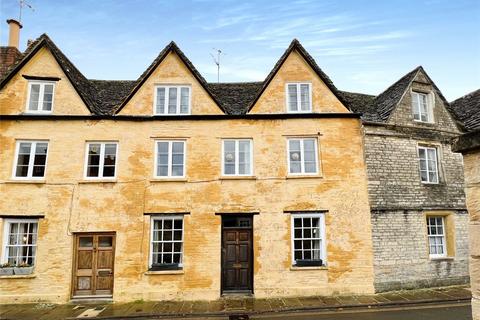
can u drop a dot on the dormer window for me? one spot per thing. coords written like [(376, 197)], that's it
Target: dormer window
[(40, 96), (421, 107), (172, 100), (299, 97)]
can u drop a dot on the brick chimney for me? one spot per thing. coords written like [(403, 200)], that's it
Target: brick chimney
[(10, 53)]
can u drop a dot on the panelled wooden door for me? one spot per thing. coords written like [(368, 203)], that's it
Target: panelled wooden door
[(93, 264), (237, 259)]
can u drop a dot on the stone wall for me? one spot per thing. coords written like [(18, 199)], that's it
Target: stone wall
[(71, 204), (400, 201), (472, 179), (394, 170), (401, 258)]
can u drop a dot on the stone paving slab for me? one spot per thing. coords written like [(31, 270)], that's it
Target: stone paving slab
[(229, 305)]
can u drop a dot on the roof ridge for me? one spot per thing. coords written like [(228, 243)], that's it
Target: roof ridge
[(466, 95), (400, 79)]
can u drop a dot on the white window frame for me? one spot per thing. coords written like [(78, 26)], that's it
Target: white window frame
[(40, 97), (152, 224), (443, 235), (6, 234), (302, 164), (170, 155), (167, 87), (237, 152), (429, 99), (31, 160), (102, 160), (323, 246), (427, 159), (299, 103)]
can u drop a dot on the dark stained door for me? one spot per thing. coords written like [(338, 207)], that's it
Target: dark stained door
[(93, 264), (237, 252)]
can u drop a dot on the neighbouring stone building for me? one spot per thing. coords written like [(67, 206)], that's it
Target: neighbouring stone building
[(160, 188), (169, 187), (416, 185), (467, 109)]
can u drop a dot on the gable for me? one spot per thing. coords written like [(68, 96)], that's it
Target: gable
[(14, 94), (171, 71), (296, 69), (403, 114)]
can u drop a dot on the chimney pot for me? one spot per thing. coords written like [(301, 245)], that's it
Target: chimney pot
[(14, 33)]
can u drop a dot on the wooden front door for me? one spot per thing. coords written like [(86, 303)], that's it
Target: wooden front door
[(237, 254), (93, 264)]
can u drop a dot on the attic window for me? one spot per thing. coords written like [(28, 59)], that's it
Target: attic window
[(172, 100), (40, 96), (421, 107), (299, 97)]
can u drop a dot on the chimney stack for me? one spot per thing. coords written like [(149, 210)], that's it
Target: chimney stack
[(9, 54), (14, 33)]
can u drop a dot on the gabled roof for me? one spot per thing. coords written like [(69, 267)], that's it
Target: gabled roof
[(83, 87), (359, 102), (171, 47), (381, 107), (295, 45), (467, 110), (385, 102), (235, 97)]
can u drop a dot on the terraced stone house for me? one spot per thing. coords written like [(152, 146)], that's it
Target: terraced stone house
[(169, 187)]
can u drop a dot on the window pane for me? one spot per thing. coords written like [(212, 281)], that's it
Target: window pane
[(21, 171), (177, 171), (305, 97), (38, 171), (34, 96), (184, 100), (172, 100), (109, 171), (160, 104), (92, 171), (41, 148), (422, 154), (177, 147), (292, 97), (47, 97), (244, 157), (162, 171), (229, 156)]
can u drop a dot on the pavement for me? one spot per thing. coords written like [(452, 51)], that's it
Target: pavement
[(240, 308)]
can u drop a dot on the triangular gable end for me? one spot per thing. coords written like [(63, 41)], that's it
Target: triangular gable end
[(75, 77), (170, 48), (295, 46), (420, 75)]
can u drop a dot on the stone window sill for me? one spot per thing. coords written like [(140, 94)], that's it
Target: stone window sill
[(443, 259), (238, 178), (26, 181), (152, 273), (293, 268), (169, 180), (304, 177), (19, 276), (98, 181)]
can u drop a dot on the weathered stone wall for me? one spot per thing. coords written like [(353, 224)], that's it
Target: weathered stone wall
[(401, 258), (71, 204), (394, 170), (399, 200), (472, 180)]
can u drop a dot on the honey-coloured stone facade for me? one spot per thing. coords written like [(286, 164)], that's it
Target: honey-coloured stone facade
[(71, 204)]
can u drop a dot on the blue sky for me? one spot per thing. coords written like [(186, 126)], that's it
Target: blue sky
[(363, 45)]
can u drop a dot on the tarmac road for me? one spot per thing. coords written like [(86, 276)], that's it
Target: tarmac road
[(428, 312)]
